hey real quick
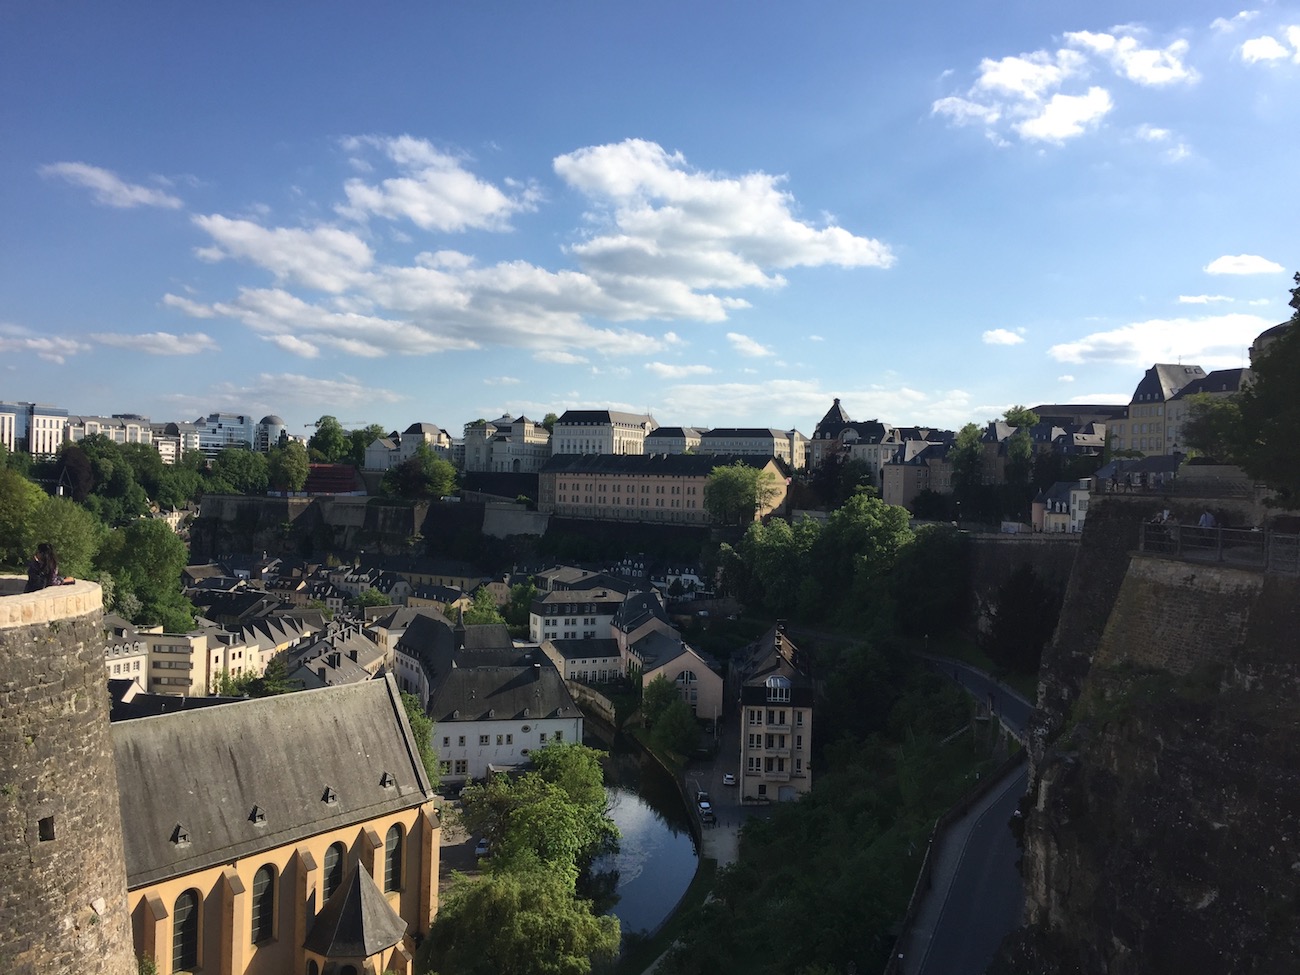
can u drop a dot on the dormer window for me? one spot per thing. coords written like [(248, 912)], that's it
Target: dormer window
[(387, 780), (329, 797), (778, 689), (180, 836), (257, 816)]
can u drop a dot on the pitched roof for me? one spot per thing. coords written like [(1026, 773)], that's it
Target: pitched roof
[(189, 782), (357, 921), (500, 693), (831, 423), (1218, 381), (1164, 379), (585, 649)]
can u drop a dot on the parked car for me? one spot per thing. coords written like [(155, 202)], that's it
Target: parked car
[(702, 798), (728, 779), (481, 848), (707, 818)]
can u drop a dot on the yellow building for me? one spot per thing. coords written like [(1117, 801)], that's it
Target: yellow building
[(292, 834), (666, 488)]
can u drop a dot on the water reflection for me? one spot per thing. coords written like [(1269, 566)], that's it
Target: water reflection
[(657, 857)]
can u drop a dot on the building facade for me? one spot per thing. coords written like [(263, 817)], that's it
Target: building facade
[(776, 704), (601, 432), (789, 446)]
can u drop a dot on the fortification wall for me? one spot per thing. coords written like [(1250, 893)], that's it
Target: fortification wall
[(993, 558), (63, 906), (505, 520)]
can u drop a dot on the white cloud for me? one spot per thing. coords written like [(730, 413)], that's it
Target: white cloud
[(746, 346), (667, 370), (1067, 378), (1029, 76), (1113, 399), (1001, 336), (1257, 302), (325, 258), (311, 395), (1242, 264), (501, 381), (1143, 65), (667, 231), (1264, 48), (108, 188), (158, 343), (435, 191), (1224, 25), (1151, 133), (187, 305), (560, 358), (1067, 116), (1201, 299), (52, 348), (1214, 342)]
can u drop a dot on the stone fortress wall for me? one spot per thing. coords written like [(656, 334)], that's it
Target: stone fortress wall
[(63, 905)]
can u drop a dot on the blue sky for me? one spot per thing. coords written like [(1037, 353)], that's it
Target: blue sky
[(724, 213)]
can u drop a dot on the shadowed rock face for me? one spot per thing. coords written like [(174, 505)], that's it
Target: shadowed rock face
[(1165, 829)]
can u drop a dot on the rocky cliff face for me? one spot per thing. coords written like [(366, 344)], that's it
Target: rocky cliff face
[(1163, 829)]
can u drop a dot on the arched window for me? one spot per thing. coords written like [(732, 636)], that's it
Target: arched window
[(333, 868), (185, 932), (393, 859), (312, 967), (263, 904), (686, 677)]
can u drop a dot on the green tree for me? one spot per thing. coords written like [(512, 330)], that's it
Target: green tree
[(576, 769), (676, 731), (735, 493), (423, 475), (422, 731), (1270, 413), (655, 699), (549, 422), (371, 597), (273, 682), (1020, 445), (329, 443), (526, 922), (287, 466), (359, 440), (517, 610), (146, 559), (484, 609), (19, 501), (237, 470), (967, 459), (1212, 428), (74, 532)]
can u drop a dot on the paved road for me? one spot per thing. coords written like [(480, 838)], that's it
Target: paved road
[(976, 895)]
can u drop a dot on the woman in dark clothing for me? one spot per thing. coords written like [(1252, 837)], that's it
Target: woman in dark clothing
[(43, 569)]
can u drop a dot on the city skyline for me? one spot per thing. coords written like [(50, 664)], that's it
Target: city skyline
[(725, 216)]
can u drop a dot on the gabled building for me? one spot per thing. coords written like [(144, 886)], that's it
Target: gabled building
[(1061, 508), (916, 466), (518, 445), (1145, 429), (490, 716), (295, 833), (1219, 384), (673, 440), (573, 615), (776, 721)]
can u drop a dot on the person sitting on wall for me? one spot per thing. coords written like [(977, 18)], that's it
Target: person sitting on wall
[(43, 569)]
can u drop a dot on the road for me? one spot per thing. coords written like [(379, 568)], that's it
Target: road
[(976, 895)]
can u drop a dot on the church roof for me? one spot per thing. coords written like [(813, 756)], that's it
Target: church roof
[(356, 922)]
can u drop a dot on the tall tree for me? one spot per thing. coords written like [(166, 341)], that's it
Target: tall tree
[(329, 443), (967, 459), (74, 532), (423, 475), (287, 466), (525, 921), (1212, 427), (146, 559), (19, 500), (549, 422), (238, 470), (734, 493), (484, 609), (422, 731), (655, 699), (1270, 413), (359, 440)]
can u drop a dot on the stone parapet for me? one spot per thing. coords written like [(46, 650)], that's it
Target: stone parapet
[(18, 608)]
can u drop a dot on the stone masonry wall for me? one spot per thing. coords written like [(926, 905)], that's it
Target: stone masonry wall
[(63, 906)]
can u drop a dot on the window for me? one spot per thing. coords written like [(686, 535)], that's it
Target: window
[(755, 716), (501, 739), (541, 735), (460, 740), (393, 859), (559, 736), (333, 875), (446, 741), (778, 689), (185, 932), (755, 741), (798, 719), (510, 739), (462, 766), (798, 743), (263, 904), (755, 764), (483, 739)]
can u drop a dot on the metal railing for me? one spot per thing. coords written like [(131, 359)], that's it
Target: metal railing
[(1247, 548)]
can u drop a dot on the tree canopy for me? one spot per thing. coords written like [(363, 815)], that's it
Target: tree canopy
[(1270, 413), (735, 493), (484, 609), (423, 475), (329, 443), (287, 466)]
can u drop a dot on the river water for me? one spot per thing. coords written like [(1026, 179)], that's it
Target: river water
[(657, 856)]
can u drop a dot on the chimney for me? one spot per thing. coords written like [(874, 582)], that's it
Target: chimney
[(352, 654), (537, 671)]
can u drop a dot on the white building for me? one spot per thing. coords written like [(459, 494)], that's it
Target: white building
[(586, 614), (34, 427), (790, 446), (601, 432), (120, 428), (519, 445)]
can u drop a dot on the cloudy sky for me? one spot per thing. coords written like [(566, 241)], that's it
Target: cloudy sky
[(723, 213)]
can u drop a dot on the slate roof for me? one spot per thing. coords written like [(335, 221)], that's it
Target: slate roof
[(357, 921), (1163, 380), (656, 649), (205, 771), (673, 465), (674, 433), (637, 609), (603, 416), (585, 649), (775, 655), (765, 433), (500, 693), (834, 421), (1218, 381)]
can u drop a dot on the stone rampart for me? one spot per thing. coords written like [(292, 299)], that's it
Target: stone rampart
[(63, 906)]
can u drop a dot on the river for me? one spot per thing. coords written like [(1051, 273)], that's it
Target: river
[(657, 856)]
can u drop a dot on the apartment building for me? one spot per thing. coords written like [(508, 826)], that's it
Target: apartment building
[(776, 704), (790, 446), (1146, 429)]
